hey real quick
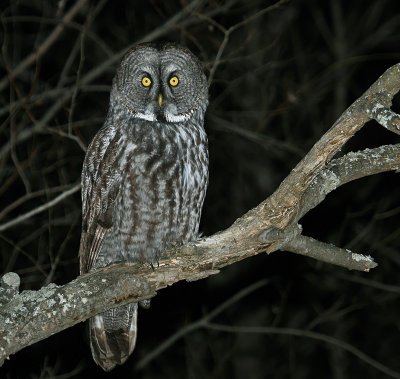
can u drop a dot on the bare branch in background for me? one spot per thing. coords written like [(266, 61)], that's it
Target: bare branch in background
[(42, 208), (33, 57)]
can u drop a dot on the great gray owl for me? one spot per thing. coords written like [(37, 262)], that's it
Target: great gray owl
[(144, 176)]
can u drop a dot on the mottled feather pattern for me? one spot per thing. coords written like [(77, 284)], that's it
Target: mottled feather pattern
[(144, 177), (105, 333)]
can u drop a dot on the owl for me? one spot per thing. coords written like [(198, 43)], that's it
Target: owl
[(144, 177)]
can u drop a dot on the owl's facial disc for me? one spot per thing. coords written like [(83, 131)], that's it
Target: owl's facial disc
[(165, 84)]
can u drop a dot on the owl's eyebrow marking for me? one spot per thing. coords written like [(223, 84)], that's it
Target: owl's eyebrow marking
[(173, 67), (147, 70)]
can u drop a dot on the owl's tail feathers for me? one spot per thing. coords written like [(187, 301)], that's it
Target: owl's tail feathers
[(113, 335)]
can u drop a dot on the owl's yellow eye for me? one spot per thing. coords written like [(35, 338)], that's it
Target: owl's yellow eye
[(174, 81), (146, 81)]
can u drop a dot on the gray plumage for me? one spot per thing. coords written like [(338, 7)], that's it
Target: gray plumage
[(144, 177)]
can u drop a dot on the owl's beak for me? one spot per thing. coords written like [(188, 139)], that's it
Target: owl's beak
[(160, 99)]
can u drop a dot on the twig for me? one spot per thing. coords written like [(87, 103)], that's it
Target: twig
[(79, 71), (228, 32), (199, 323), (30, 196), (370, 283), (41, 208), (50, 94), (55, 263), (33, 57), (68, 135), (14, 155), (308, 334), (386, 117), (329, 253), (266, 142), (71, 25)]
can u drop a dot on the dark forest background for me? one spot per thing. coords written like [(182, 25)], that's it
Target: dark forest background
[(280, 78)]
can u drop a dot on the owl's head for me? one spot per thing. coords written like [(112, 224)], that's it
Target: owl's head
[(161, 83)]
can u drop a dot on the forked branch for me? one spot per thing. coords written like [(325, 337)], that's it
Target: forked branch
[(273, 225)]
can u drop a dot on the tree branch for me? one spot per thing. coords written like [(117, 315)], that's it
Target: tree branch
[(329, 253), (33, 315), (352, 166), (283, 205), (386, 117)]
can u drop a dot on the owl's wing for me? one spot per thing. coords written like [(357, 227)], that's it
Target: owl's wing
[(100, 186)]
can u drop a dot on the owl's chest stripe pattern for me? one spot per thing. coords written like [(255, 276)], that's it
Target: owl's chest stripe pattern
[(161, 190)]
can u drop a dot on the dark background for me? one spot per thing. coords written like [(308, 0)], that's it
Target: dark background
[(283, 78)]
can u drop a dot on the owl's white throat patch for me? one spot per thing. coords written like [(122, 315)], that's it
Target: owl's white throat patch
[(177, 118), (146, 116)]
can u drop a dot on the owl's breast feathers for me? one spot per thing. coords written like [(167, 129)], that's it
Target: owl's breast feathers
[(143, 186)]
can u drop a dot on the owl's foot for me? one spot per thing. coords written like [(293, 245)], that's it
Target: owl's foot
[(154, 262)]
